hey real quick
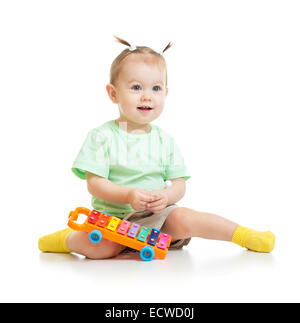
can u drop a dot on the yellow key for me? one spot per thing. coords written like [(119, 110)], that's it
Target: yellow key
[(113, 223)]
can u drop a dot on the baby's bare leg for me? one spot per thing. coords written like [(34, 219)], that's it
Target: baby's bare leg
[(184, 223), (80, 243)]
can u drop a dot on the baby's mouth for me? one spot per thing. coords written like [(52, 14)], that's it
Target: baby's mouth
[(145, 108)]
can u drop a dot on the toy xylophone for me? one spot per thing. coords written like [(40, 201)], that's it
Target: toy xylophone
[(150, 242)]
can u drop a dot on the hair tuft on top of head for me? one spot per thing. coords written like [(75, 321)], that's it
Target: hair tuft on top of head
[(167, 47), (122, 41), (146, 53)]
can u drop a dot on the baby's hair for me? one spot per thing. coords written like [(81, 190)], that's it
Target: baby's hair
[(122, 41), (167, 47), (116, 64)]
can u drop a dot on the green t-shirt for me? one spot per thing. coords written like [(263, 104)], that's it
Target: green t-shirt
[(132, 160)]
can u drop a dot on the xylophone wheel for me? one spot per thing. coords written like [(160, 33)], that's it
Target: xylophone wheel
[(95, 236), (147, 253)]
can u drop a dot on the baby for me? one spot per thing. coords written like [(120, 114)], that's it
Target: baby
[(128, 162)]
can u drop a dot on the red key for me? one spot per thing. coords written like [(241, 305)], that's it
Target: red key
[(103, 220)]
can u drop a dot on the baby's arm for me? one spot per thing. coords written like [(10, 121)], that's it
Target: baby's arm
[(176, 191), (104, 189)]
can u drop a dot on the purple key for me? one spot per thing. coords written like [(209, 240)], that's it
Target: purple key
[(133, 230)]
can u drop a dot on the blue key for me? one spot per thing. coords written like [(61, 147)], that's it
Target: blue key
[(153, 236), (133, 230)]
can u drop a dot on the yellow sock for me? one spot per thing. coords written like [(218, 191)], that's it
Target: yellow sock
[(55, 242), (254, 240)]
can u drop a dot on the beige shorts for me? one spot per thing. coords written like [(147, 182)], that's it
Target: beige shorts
[(157, 220)]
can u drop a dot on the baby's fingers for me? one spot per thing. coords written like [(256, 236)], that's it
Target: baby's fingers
[(154, 204), (147, 198), (156, 196)]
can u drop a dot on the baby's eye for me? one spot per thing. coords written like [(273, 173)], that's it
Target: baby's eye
[(136, 87), (156, 88)]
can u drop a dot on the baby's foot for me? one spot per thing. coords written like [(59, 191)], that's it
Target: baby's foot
[(55, 242), (254, 240)]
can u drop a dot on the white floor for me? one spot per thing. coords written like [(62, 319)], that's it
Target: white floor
[(205, 271)]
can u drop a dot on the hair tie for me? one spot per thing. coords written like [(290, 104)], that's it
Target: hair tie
[(132, 48)]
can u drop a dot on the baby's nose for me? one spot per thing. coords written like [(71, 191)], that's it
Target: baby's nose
[(146, 96)]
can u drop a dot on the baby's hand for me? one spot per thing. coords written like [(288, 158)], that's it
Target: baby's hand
[(138, 198), (160, 201)]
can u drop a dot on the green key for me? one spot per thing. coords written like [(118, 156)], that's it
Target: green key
[(143, 234)]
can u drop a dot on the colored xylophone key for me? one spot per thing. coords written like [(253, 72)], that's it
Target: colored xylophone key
[(133, 230), (103, 221), (113, 223), (163, 241), (153, 236), (143, 234), (93, 217), (124, 226)]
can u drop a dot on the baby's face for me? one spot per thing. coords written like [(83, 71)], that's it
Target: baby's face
[(141, 90)]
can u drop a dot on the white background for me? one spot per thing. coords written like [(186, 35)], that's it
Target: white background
[(233, 108)]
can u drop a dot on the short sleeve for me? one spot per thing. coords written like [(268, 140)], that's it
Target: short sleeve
[(93, 156), (175, 166)]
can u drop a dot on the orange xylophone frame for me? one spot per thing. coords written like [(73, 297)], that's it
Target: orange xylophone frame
[(102, 225)]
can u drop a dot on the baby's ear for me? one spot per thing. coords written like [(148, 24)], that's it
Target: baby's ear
[(111, 91), (167, 91)]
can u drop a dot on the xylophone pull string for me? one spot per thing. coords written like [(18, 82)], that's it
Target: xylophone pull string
[(129, 215)]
